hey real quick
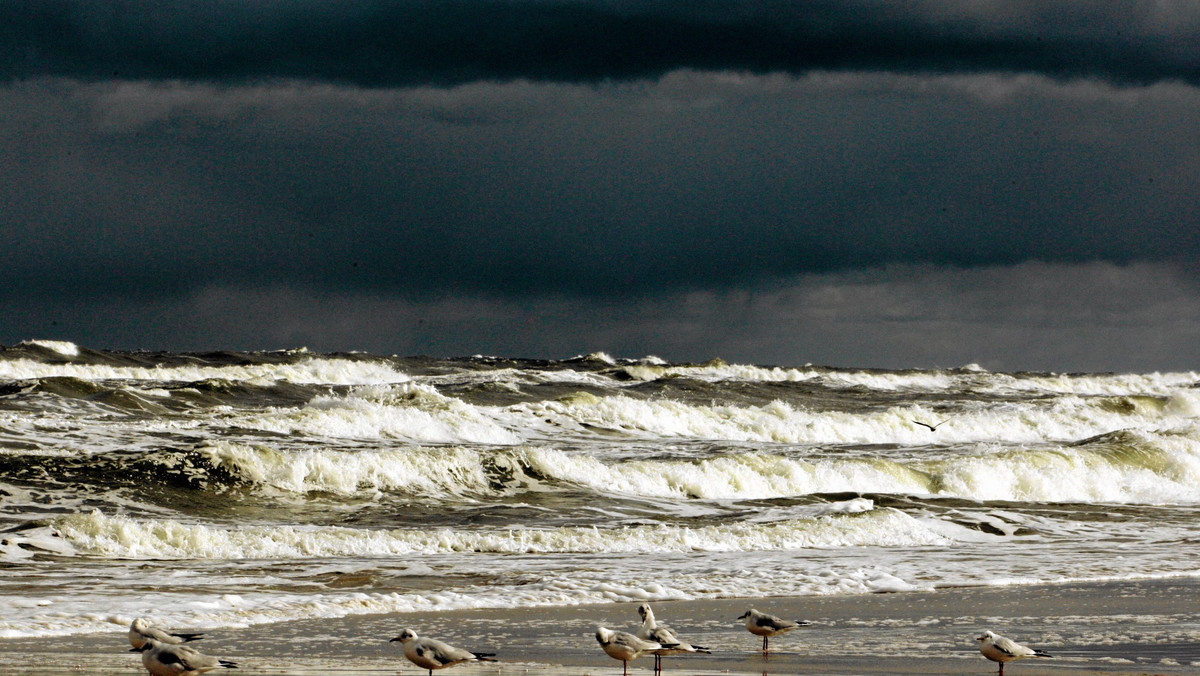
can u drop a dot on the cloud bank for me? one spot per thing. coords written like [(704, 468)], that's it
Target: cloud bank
[(1032, 316), (692, 181), (529, 176), (406, 42)]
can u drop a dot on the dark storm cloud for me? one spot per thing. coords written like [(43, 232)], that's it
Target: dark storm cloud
[(1032, 316), (695, 180), (401, 42), (546, 178)]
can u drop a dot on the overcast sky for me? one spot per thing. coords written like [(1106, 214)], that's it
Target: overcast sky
[(847, 182)]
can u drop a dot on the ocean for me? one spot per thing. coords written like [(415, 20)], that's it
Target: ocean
[(229, 489)]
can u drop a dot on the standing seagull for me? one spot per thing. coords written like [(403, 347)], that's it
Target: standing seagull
[(1000, 649), (165, 659), (660, 633), (430, 654), (140, 631), (621, 645), (766, 626)]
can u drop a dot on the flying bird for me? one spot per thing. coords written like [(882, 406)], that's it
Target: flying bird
[(431, 654), (166, 659), (933, 427), (621, 645), (660, 633), (766, 626), (140, 631), (1000, 649)]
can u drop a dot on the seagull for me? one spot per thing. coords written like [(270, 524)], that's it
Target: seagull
[(431, 654), (621, 645), (933, 427), (165, 659), (140, 631), (1000, 649), (660, 633), (766, 626)]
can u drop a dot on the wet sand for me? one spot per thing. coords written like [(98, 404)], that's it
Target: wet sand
[(1148, 627)]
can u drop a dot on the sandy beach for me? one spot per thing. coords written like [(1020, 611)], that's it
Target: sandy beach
[(1148, 627)]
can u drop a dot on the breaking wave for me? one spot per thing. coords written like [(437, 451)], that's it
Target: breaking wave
[(1065, 418), (118, 537), (267, 486), (1123, 467), (406, 411), (969, 377), (312, 370)]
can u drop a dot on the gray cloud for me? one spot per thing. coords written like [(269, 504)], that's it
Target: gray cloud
[(1032, 316), (448, 41), (524, 176), (690, 181)]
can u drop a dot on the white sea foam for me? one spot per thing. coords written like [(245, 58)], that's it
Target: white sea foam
[(65, 348), (705, 497), (1062, 418), (331, 371), (406, 411), (26, 544), (968, 378), (1130, 468), (742, 476), (441, 472), (1183, 404), (1151, 476), (717, 372), (513, 377), (1155, 384), (1158, 472), (449, 471), (884, 381), (119, 537), (721, 372), (56, 615), (22, 617)]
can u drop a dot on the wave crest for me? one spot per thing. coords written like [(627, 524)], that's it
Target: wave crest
[(437, 472), (124, 538), (308, 370), (405, 411), (1121, 467)]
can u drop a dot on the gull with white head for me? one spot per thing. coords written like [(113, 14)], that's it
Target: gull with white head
[(766, 626), (1000, 649), (165, 659), (621, 645), (431, 654), (651, 630), (140, 631)]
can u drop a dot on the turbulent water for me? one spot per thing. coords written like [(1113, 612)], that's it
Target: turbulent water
[(226, 489)]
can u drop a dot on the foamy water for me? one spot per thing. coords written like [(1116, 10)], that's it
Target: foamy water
[(236, 489)]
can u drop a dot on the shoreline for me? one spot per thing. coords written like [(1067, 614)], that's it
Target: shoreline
[(1126, 628)]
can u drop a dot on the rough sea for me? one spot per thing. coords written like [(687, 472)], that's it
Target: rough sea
[(227, 489)]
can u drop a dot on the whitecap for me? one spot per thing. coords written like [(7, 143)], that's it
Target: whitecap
[(65, 348)]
